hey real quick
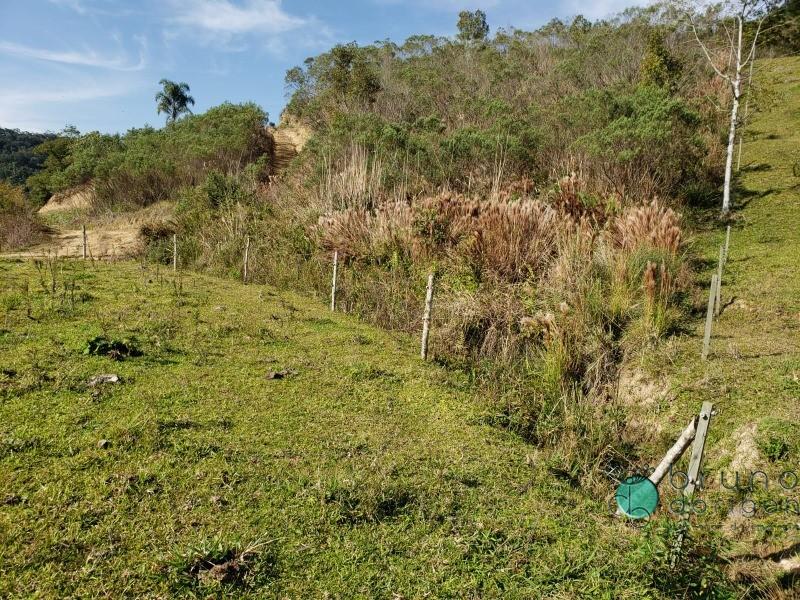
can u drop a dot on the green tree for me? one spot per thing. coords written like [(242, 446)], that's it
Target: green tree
[(472, 26), (173, 99), (659, 67), (351, 74)]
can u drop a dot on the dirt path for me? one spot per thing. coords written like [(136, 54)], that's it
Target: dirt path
[(120, 238), (103, 243)]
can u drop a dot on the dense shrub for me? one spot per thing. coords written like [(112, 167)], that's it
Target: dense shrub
[(623, 101), (18, 161), (18, 224), (148, 165)]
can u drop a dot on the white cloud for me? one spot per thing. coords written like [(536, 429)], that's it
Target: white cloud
[(599, 9), (238, 25), (32, 109), (223, 16), (76, 93), (448, 5), (75, 5), (87, 58)]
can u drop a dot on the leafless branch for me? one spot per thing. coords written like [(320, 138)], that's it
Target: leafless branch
[(705, 51)]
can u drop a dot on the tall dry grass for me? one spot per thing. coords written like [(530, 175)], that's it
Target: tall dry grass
[(19, 226), (355, 182)]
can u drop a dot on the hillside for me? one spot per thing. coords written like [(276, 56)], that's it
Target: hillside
[(753, 372), (263, 446), (168, 431)]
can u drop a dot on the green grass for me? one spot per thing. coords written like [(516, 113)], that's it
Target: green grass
[(365, 473), (753, 372), (754, 363)]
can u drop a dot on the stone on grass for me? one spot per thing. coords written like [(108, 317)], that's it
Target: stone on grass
[(101, 379)]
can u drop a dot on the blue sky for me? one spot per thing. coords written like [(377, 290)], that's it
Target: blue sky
[(96, 64)]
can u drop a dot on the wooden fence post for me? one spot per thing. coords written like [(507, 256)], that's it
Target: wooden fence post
[(174, 252), (85, 243), (693, 475), (718, 297), (727, 241), (709, 317), (695, 462), (333, 279), (246, 257), (426, 318)]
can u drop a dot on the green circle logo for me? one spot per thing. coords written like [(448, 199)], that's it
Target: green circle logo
[(637, 497)]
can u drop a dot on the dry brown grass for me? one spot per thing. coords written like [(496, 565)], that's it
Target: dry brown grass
[(652, 225), (19, 229), (508, 241), (355, 182), (19, 226)]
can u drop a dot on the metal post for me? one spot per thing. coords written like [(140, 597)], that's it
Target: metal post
[(426, 318), (727, 241), (246, 257), (85, 243), (718, 297), (174, 252), (696, 461), (333, 280), (709, 317)]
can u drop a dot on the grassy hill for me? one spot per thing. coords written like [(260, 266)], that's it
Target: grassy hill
[(362, 471), (258, 445)]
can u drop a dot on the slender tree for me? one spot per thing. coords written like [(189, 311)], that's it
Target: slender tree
[(173, 99), (739, 54), (472, 26)]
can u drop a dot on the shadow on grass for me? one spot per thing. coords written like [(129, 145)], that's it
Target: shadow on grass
[(756, 168)]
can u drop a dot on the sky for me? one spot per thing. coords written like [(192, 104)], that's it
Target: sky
[(96, 64)]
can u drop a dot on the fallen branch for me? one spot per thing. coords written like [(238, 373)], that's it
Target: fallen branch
[(678, 448)]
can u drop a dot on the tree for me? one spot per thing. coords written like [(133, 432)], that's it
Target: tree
[(472, 26), (351, 74), (173, 99), (742, 13), (659, 67)]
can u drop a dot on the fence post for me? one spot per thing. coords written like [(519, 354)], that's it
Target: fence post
[(695, 462), (174, 252), (85, 243), (333, 279), (718, 298), (709, 317), (693, 476), (426, 318), (246, 257), (727, 241)]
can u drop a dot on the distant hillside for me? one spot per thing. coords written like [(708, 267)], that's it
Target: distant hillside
[(17, 158)]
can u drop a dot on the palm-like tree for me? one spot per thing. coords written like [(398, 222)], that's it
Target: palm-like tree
[(173, 99)]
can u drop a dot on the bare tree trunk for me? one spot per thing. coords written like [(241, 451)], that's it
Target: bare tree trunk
[(733, 76), (746, 108), (736, 86)]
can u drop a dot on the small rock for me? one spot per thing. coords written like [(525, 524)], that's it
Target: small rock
[(281, 374), (103, 444), (101, 379)]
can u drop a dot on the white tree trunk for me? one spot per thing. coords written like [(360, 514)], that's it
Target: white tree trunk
[(736, 85), (726, 194)]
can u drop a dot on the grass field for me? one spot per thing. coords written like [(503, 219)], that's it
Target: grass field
[(258, 445), (361, 472)]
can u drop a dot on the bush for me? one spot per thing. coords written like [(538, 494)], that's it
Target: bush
[(147, 165), (19, 226)]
